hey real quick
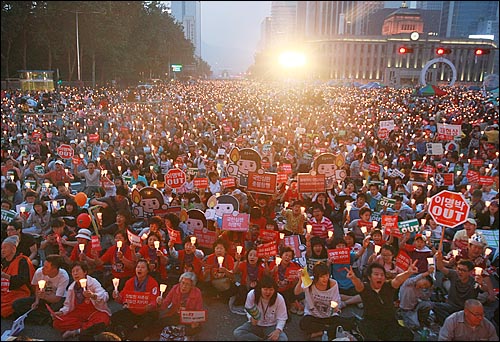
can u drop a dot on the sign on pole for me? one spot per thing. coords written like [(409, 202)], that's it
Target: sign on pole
[(448, 208)]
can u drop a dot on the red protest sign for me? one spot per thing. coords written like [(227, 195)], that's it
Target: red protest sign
[(228, 182), (448, 208), (287, 168), (374, 168), (267, 249), (174, 235), (76, 160), (200, 183), (282, 178), (487, 180), (429, 169), (174, 178), (340, 255), (403, 260), (473, 176), (135, 300), (96, 244), (204, 237), (390, 225), (93, 138), (238, 223), (262, 183), (383, 133), (294, 242), (477, 162), (266, 235), (65, 151), (309, 183)]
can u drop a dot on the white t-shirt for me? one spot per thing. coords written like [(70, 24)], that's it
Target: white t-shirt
[(56, 285), (318, 303)]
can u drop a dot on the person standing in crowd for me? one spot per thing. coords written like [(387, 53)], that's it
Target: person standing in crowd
[(17, 271), (468, 324), (379, 316), (295, 219), (85, 311), (266, 313), (92, 177)]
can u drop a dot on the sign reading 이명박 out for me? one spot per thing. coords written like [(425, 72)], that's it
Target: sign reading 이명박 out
[(448, 208)]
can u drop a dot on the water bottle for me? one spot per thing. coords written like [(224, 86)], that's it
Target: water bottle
[(424, 334), (254, 312), (325, 336)]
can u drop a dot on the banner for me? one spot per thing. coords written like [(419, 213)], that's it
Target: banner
[(448, 132), (188, 317), (390, 225), (395, 173), (238, 223), (267, 250), (136, 300), (434, 149), (419, 176), (472, 176), (262, 183), (409, 226), (403, 260), (266, 235), (204, 237), (174, 235), (228, 182), (340, 255), (200, 183), (487, 180), (444, 179), (294, 242), (309, 183)]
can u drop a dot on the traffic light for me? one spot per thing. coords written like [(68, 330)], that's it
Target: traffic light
[(480, 52), (442, 51), (404, 50)]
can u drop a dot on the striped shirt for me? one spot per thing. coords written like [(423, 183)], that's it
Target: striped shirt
[(321, 228)]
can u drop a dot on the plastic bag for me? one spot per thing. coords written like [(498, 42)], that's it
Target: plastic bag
[(342, 335), (173, 333)]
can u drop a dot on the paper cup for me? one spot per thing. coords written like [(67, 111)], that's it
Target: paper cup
[(83, 283), (116, 282), (334, 304), (163, 287), (239, 249), (220, 260), (157, 244), (330, 234), (377, 249), (41, 284), (309, 228), (193, 240), (278, 260), (119, 244), (81, 247)]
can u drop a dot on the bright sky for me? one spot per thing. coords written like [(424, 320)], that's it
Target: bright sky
[(230, 32)]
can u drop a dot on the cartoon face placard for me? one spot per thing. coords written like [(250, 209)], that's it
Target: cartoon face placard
[(147, 201), (330, 165), (242, 162)]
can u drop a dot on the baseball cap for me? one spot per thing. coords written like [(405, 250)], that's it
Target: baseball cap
[(471, 221), (84, 234), (419, 236), (59, 162)]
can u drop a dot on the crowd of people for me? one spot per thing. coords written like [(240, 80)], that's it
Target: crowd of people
[(145, 196)]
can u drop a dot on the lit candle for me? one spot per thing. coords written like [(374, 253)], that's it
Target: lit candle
[(309, 228), (157, 245), (193, 240), (487, 203), (99, 216), (478, 271), (412, 201), (83, 283), (119, 245), (278, 260), (286, 204), (55, 204), (41, 284), (428, 233), (330, 234), (334, 304), (22, 209), (424, 221), (144, 236), (363, 230), (282, 236), (348, 206), (302, 210), (116, 282), (220, 260), (239, 249), (487, 251), (163, 287), (454, 253), (374, 223), (81, 247), (377, 249)]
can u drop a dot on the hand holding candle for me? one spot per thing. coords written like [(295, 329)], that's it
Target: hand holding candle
[(119, 245), (83, 283), (163, 287), (239, 249), (330, 234), (193, 240), (157, 245), (377, 249), (116, 282), (278, 260), (309, 228), (220, 260)]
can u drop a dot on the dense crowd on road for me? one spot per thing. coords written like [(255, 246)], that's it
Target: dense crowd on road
[(278, 199)]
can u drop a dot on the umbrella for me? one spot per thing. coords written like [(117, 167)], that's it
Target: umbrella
[(430, 90)]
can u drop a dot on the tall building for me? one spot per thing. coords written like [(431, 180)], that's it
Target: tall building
[(430, 5), (265, 34), (283, 22), (459, 19), (188, 13)]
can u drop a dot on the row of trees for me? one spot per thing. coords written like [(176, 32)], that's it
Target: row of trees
[(118, 40)]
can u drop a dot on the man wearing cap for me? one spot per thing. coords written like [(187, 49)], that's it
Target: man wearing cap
[(17, 271), (59, 174), (461, 238)]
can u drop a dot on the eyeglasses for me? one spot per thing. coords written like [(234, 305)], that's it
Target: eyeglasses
[(459, 269), (476, 314)]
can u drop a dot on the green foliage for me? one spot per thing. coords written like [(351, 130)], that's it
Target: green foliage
[(121, 40)]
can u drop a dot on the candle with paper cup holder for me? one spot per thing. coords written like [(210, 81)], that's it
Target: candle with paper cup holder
[(377, 249), (330, 234), (220, 260), (157, 245), (278, 260), (116, 282), (239, 249), (119, 245), (41, 284), (163, 287), (478, 271), (83, 283), (193, 240), (81, 247), (454, 253), (309, 228)]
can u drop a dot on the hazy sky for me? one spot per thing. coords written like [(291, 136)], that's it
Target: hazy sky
[(230, 32)]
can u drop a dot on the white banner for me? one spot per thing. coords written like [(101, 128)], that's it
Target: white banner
[(434, 149), (388, 124)]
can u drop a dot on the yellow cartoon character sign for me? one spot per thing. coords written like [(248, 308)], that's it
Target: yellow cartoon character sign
[(242, 162), (330, 165)]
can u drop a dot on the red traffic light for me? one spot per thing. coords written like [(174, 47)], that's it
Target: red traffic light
[(442, 51), (480, 52), (403, 49)]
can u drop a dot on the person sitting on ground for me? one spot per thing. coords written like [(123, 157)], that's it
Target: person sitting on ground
[(17, 271), (266, 312), (85, 311), (468, 324), (379, 317), (322, 299)]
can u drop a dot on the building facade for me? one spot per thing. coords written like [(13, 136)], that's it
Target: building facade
[(188, 13)]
